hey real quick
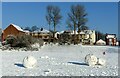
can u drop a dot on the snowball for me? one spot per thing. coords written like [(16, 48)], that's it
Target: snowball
[(90, 59), (29, 62), (101, 61)]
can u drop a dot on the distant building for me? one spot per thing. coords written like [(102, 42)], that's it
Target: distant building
[(90, 36), (57, 35), (14, 30), (111, 39), (100, 42), (85, 36), (41, 33)]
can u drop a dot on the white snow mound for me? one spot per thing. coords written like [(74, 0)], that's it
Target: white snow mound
[(101, 61), (36, 45), (29, 62), (91, 59)]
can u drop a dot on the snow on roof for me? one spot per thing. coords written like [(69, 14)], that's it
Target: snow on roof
[(110, 36), (101, 41), (88, 31), (17, 27), (45, 31), (61, 32), (26, 31), (57, 32), (82, 32), (42, 31)]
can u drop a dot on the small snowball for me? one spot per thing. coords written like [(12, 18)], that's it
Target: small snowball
[(90, 59), (101, 61), (29, 62)]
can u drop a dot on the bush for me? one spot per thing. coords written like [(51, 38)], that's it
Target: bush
[(11, 40), (65, 38), (23, 41)]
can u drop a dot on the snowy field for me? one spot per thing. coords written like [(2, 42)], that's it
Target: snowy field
[(61, 61)]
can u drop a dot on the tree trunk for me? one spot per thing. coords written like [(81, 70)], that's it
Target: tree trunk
[(78, 35), (74, 34), (49, 35), (54, 32)]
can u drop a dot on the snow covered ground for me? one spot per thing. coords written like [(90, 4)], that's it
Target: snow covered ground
[(61, 61)]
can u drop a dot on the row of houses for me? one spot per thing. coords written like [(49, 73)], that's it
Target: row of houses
[(85, 36)]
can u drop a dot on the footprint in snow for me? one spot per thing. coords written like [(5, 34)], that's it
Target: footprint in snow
[(47, 71)]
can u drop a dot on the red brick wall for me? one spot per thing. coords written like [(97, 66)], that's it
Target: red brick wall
[(11, 30)]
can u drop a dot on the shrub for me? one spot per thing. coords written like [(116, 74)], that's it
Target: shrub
[(23, 41), (11, 40), (65, 38), (27, 41)]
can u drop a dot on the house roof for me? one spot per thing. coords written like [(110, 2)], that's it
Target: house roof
[(110, 36), (41, 31), (17, 27), (101, 41), (88, 31), (26, 31), (57, 33), (61, 32), (82, 32)]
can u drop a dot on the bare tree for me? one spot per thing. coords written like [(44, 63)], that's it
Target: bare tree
[(53, 16), (77, 18), (49, 21), (69, 25), (48, 16), (80, 16)]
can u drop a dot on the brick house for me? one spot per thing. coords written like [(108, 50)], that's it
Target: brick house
[(111, 39), (12, 29)]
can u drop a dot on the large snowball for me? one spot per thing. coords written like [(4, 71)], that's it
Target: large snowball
[(29, 62), (90, 59), (101, 61)]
